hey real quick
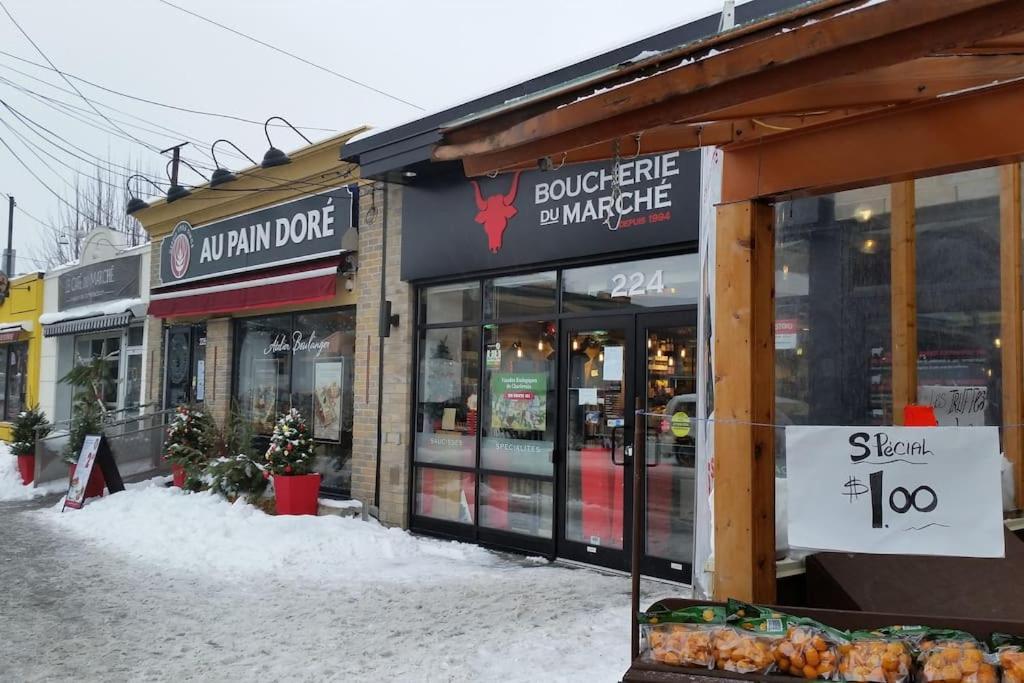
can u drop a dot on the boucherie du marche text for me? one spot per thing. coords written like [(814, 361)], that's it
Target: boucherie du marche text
[(303, 226), (643, 183)]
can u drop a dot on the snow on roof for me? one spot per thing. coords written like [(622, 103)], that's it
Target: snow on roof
[(136, 306)]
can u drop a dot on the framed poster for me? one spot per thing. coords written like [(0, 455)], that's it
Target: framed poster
[(263, 407), (328, 394), (519, 401)]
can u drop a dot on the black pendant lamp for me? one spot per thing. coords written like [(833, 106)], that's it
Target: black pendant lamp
[(222, 175), (274, 156), (177, 191), (136, 203)]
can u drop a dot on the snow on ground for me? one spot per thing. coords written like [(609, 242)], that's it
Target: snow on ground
[(11, 487), (174, 586)]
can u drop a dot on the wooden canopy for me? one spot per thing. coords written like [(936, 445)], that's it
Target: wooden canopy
[(831, 95), (827, 65)]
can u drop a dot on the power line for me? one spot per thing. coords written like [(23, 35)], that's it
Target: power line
[(68, 80), (293, 55), (18, 208), (36, 176), (175, 107)]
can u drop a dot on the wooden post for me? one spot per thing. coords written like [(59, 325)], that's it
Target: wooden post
[(745, 403), (903, 267), (1011, 332)]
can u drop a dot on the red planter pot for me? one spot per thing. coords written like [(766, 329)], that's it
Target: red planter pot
[(297, 494), (178, 475), (27, 468), (94, 489)]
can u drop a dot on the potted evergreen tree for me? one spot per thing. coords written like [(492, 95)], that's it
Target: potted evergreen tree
[(87, 413), (290, 460), (189, 445), (30, 425)]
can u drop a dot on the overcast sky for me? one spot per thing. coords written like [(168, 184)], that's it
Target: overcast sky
[(433, 53)]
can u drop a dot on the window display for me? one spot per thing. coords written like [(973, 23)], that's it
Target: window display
[(13, 378), (302, 361), (959, 365)]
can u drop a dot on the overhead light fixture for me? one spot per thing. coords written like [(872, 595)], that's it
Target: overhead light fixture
[(671, 361), (222, 175), (540, 344), (274, 156), (998, 342), (869, 246), (575, 344), (649, 342), (176, 191), (519, 350), (600, 356), (135, 203), (682, 354), (863, 214)]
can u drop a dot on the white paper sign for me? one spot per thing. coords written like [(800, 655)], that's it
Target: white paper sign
[(955, 406), (588, 396), (612, 364), (895, 490)]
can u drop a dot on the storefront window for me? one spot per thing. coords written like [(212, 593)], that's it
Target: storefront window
[(521, 295), (521, 506), (518, 428), (13, 379), (832, 310), (448, 396), (302, 361), (107, 346), (445, 494), (669, 281), (450, 303), (958, 297)]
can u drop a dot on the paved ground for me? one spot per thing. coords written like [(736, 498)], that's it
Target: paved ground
[(74, 612)]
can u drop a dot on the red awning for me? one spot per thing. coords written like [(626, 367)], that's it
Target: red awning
[(288, 285)]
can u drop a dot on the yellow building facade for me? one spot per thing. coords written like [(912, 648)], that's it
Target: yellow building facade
[(20, 344)]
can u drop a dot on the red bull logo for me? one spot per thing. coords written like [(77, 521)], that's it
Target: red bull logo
[(495, 212)]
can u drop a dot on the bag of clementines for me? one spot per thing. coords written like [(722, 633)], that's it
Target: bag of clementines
[(795, 646), (682, 637), (1010, 652), (954, 657)]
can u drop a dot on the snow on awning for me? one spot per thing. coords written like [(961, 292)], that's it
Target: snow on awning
[(93, 318), (95, 324), (10, 332), (303, 283)]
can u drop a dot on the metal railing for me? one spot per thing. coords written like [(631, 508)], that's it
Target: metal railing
[(135, 436)]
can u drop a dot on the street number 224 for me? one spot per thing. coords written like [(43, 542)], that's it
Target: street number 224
[(637, 284)]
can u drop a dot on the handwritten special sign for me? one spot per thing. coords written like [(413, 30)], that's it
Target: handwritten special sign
[(955, 406), (895, 490)]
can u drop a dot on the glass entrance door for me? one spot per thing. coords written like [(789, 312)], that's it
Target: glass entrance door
[(598, 435), (611, 362), (668, 366)]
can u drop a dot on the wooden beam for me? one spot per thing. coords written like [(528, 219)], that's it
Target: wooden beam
[(882, 147), (1012, 333), (903, 293), (914, 81), (665, 138), (873, 37), (745, 403)]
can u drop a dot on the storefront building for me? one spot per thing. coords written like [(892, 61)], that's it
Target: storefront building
[(860, 267), (97, 309), (252, 299), (21, 302)]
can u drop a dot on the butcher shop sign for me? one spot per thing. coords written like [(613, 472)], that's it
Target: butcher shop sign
[(300, 230)]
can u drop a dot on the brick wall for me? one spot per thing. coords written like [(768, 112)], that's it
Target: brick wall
[(218, 368), (398, 366), (154, 338)]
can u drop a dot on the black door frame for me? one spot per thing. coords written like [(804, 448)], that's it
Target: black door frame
[(662, 568), (635, 326), (565, 547)]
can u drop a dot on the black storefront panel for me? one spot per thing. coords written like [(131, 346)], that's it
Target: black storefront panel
[(453, 226)]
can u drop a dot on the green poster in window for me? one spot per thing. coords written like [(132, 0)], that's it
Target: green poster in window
[(519, 400)]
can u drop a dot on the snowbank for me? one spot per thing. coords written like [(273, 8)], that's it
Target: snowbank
[(11, 487), (210, 535), (93, 310)]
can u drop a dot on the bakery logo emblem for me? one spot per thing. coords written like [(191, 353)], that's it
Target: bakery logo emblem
[(180, 253), (495, 212)]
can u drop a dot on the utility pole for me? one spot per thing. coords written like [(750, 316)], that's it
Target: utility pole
[(10, 236)]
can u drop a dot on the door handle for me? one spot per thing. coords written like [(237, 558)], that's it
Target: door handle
[(614, 461)]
